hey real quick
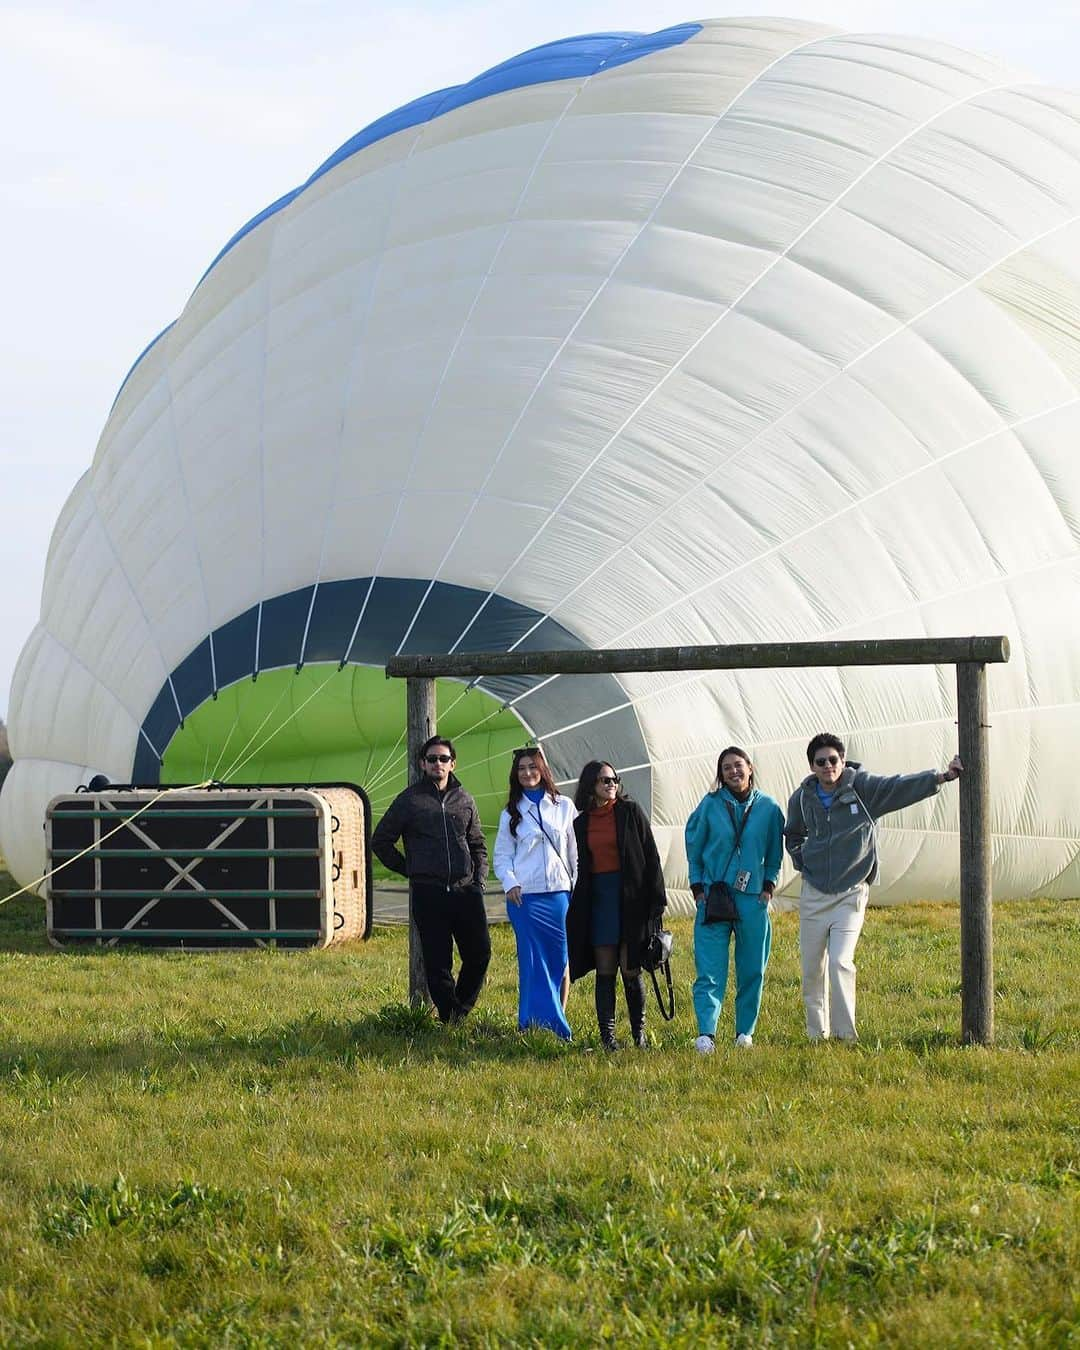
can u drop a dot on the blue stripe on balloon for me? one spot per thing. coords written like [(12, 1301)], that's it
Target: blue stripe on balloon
[(568, 59)]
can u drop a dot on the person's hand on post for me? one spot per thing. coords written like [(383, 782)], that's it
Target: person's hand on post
[(954, 770), (513, 895)]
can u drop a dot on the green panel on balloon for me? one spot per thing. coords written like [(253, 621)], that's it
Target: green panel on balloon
[(324, 725)]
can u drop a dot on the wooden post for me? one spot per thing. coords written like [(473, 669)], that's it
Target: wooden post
[(420, 712), (976, 912)]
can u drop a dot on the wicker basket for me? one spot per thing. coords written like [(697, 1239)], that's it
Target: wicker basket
[(209, 868)]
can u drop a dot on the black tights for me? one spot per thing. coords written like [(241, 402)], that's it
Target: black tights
[(611, 959)]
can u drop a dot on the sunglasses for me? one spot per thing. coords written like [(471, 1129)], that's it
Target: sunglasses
[(438, 759), (607, 779), (827, 759)]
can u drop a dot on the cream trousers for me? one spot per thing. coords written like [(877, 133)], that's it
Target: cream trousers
[(829, 928)]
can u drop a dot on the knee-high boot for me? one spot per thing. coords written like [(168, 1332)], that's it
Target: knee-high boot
[(634, 988), (605, 1010)]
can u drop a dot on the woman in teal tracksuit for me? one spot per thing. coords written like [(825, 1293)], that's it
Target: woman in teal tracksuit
[(736, 836)]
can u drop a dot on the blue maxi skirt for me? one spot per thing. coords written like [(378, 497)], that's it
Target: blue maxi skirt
[(539, 925)]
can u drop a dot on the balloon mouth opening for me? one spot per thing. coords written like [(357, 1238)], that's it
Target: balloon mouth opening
[(326, 724)]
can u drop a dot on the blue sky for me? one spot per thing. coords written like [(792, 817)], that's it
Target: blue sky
[(137, 138)]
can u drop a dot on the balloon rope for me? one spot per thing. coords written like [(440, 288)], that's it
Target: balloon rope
[(244, 748), (228, 738), (387, 769), (295, 713), (165, 792)]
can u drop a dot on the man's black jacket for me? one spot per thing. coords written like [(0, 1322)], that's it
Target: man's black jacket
[(441, 833)]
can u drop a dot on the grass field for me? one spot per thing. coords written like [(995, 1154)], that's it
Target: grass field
[(270, 1150)]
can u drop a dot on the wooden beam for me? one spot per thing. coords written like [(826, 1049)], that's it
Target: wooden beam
[(745, 656), (976, 909), (421, 715)]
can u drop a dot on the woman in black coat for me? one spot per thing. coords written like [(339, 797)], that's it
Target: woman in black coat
[(618, 896)]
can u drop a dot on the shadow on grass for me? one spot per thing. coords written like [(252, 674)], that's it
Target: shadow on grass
[(393, 1035)]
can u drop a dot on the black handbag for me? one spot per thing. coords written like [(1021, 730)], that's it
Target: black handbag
[(656, 956), (720, 904), (719, 901)]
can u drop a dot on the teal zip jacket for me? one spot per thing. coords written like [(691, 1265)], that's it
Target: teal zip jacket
[(710, 836)]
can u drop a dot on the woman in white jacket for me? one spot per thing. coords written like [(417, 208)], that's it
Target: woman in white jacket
[(536, 863)]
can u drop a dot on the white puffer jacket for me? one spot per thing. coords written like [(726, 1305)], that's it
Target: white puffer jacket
[(529, 859)]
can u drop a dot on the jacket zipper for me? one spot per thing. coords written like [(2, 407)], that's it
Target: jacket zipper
[(446, 837)]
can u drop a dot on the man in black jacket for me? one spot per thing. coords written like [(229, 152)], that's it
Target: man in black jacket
[(445, 860)]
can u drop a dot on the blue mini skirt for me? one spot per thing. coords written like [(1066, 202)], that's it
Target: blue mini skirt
[(606, 918)]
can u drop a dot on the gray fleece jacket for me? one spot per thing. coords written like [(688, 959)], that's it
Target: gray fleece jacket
[(836, 850)]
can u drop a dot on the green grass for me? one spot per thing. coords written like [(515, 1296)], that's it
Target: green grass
[(259, 1149)]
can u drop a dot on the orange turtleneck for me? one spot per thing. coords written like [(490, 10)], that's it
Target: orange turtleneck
[(603, 840)]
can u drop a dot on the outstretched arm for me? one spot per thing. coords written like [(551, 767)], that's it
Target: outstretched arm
[(881, 795)]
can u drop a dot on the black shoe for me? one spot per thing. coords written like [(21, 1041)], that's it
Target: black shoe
[(634, 989), (605, 1011)]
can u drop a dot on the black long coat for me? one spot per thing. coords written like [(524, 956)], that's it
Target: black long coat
[(643, 893)]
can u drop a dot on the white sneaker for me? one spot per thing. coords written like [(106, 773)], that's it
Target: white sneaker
[(704, 1045), (744, 1039)]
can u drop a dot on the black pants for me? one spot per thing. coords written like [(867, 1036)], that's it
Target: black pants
[(442, 918)]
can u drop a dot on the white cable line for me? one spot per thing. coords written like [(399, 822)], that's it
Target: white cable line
[(295, 713), (233, 766), (506, 228), (698, 677), (459, 734), (588, 307), (859, 505), (360, 324), (677, 365), (120, 567), (382, 772), (174, 441), (728, 309), (228, 738), (1003, 429), (94, 678), (46, 876), (842, 372)]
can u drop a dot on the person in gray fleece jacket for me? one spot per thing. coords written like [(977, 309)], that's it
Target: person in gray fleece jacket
[(831, 835)]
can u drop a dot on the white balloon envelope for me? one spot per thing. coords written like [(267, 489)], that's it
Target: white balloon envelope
[(744, 331)]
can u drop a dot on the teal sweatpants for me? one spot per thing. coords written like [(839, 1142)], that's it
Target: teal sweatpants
[(753, 939)]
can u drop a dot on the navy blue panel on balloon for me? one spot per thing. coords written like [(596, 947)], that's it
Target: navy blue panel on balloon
[(281, 633), (234, 647), (448, 611), (333, 617), (389, 612), (147, 767), (161, 722), (550, 637), (193, 679)]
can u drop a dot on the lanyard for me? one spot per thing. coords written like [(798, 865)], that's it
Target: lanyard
[(535, 813)]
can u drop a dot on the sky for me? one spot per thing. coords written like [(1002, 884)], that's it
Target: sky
[(135, 139)]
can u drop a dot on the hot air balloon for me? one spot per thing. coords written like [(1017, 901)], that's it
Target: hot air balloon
[(746, 330)]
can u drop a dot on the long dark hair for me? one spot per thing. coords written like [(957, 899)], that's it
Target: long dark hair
[(585, 793), (732, 750), (513, 804)]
